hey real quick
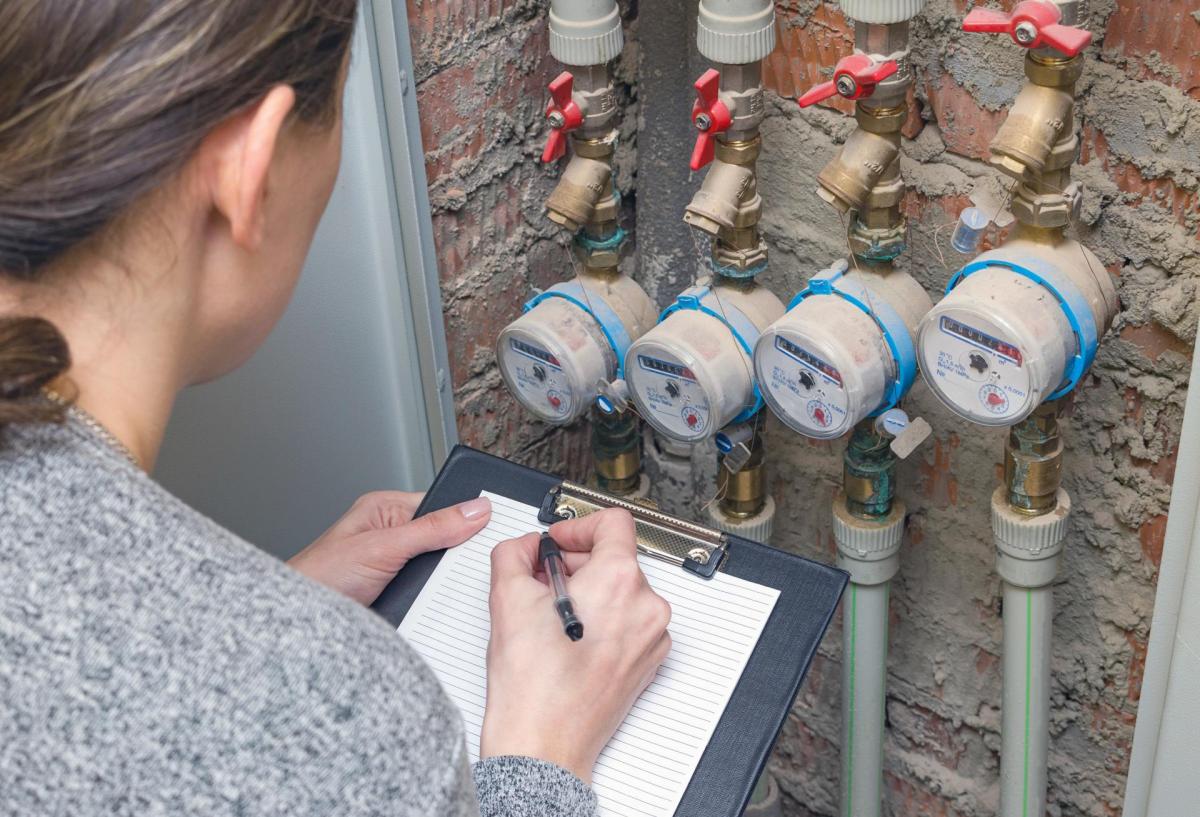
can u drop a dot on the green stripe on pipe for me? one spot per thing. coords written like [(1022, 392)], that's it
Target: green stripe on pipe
[(1028, 684), (850, 698)]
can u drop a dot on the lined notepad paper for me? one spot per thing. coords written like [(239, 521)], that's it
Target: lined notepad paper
[(645, 768)]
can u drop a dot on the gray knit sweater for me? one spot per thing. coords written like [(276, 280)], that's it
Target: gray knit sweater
[(152, 663)]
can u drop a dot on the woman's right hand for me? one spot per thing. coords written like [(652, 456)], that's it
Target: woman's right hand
[(560, 700)]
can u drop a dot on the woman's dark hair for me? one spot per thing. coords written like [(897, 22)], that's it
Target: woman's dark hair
[(101, 101)]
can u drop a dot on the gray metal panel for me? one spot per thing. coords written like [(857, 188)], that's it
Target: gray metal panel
[(332, 406), (402, 134)]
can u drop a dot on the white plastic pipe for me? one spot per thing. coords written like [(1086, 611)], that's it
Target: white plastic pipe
[(1025, 724), (864, 683), (869, 550)]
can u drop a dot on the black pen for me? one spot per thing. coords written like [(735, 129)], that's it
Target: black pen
[(552, 562)]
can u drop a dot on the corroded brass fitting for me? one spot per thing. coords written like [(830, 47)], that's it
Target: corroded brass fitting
[(869, 472), (743, 494), (1033, 461), (616, 451)]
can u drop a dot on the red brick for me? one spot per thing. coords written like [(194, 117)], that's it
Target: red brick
[(906, 797), (1151, 535), (967, 128), (936, 478), (1154, 340), (1150, 34), (1184, 205), (803, 51)]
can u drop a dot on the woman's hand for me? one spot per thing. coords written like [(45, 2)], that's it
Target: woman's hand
[(547, 696), (365, 549)]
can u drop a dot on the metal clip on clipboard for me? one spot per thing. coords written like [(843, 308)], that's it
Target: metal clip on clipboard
[(695, 548)]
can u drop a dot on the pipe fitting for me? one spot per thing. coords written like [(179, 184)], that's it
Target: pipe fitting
[(1033, 461), (585, 32), (881, 12), (1039, 133), (847, 181), (1029, 548), (868, 549), (727, 200), (581, 188), (616, 451), (735, 31)]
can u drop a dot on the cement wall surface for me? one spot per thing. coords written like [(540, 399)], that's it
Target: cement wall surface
[(481, 72)]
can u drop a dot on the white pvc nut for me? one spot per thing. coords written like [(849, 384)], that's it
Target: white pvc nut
[(996, 347), (756, 528), (735, 32), (881, 12), (585, 32)]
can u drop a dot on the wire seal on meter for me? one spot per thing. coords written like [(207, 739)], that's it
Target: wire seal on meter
[(895, 332), (741, 327), (594, 305)]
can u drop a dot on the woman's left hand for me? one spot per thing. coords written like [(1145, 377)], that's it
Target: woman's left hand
[(365, 549)]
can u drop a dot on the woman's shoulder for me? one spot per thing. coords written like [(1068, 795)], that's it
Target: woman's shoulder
[(171, 638)]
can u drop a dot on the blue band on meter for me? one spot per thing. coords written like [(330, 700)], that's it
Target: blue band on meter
[(591, 303), (701, 299), (1070, 299), (891, 325)]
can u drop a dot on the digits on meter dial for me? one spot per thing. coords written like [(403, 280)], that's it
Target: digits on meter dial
[(1018, 326), (555, 357), (692, 375), (843, 351)]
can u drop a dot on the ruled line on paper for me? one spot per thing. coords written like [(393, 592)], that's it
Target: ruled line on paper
[(647, 765)]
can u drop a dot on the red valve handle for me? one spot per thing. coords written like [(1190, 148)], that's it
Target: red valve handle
[(710, 116), (1033, 23), (563, 108), (854, 77)]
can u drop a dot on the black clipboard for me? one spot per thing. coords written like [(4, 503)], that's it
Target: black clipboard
[(741, 745)]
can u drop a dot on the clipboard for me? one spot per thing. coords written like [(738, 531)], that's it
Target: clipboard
[(809, 594)]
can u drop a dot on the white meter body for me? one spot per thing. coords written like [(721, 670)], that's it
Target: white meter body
[(844, 351), (692, 375), (1018, 326), (571, 339)]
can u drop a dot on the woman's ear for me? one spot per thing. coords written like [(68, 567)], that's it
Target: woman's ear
[(241, 151)]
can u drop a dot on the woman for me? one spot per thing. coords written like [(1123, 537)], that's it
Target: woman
[(163, 165)]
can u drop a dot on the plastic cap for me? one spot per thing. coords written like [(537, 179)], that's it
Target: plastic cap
[(882, 12), (585, 32), (735, 32)]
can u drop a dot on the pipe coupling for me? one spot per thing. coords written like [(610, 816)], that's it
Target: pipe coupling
[(868, 549), (580, 190), (735, 31), (585, 32), (727, 200), (1029, 548)]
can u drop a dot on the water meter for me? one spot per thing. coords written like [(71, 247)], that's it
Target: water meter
[(843, 351), (571, 341), (692, 375), (1018, 326)]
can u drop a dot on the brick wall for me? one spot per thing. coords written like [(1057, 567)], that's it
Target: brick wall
[(481, 70)]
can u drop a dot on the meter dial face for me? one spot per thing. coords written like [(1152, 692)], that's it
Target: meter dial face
[(668, 395), (536, 377), (976, 368), (805, 390)]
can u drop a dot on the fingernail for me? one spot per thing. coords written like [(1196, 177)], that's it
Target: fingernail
[(475, 508)]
